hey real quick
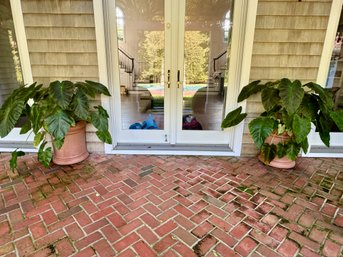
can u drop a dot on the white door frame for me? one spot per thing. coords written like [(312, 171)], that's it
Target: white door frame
[(336, 138), (14, 137), (108, 58)]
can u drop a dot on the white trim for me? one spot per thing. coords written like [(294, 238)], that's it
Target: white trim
[(249, 21), (102, 63), (314, 138), (331, 31), (20, 32), (179, 152)]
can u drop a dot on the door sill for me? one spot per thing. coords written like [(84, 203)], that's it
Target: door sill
[(154, 149)]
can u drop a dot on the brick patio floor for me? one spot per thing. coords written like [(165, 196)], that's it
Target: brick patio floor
[(115, 205)]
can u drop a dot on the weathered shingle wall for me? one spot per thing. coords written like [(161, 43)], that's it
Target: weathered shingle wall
[(289, 37), (62, 44)]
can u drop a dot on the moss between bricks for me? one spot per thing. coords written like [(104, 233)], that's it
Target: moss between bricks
[(246, 189)]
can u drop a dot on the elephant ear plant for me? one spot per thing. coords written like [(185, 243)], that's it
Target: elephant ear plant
[(290, 108), (53, 110)]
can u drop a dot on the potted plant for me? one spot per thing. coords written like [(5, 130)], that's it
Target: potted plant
[(281, 131), (60, 110)]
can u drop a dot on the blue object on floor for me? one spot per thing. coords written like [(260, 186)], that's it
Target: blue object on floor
[(135, 126), (149, 123)]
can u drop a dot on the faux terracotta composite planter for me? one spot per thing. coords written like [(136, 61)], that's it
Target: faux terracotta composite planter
[(281, 163), (74, 149)]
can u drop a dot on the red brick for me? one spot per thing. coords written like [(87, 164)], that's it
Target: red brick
[(152, 209), (170, 253), (331, 249), (185, 236), (224, 237), (224, 250), (116, 220), (220, 223), (74, 232), (147, 235), (102, 248), (339, 220), (202, 247), (95, 226), (88, 240), (165, 228), (126, 242), (6, 249), (24, 246), (82, 218), (166, 215), (265, 251), (240, 230), (306, 220), (149, 220), (183, 250), (143, 250), (263, 238), (38, 230), (329, 209), (164, 243), (279, 233), (127, 253), (49, 217), (303, 241), (64, 248), (203, 229), (110, 233), (4, 228), (183, 222), (128, 228), (182, 210), (308, 253), (288, 248), (50, 238), (200, 217), (317, 235), (100, 214), (134, 215), (85, 253), (246, 246)]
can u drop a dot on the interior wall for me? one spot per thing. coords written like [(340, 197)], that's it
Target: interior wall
[(288, 42)]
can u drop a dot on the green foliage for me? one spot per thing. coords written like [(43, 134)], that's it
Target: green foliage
[(13, 160), (260, 128), (290, 108), (151, 50), (54, 110), (233, 118)]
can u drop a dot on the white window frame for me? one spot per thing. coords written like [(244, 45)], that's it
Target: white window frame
[(323, 71), (14, 139)]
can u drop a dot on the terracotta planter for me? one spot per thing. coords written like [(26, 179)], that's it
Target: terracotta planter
[(74, 149), (284, 162)]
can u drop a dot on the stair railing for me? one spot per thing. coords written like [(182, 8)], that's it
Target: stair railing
[(126, 61), (217, 58)]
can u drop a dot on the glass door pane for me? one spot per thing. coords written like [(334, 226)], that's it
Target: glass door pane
[(140, 28), (10, 68), (207, 39)]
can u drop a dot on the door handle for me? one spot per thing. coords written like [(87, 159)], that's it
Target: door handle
[(178, 79), (168, 79)]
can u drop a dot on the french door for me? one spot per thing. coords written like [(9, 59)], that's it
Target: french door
[(180, 70)]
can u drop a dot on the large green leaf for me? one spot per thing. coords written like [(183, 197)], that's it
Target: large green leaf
[(104, 136), (98, 88), (250, 89), (292, 150), (100, 118), (9, 115), (25, 128), (260, 128), (268, 152), (58, 143), (301, 127), (270, 98), (304, 145), (26, 92), (14, 157), (337, 117), (62, 92), (44, 155), (291, 94), (37, 117), (324, 95), (324, 127), (80, 105), (233, 118), (309, 107), (281, 150), (38, 139), (58, 124)]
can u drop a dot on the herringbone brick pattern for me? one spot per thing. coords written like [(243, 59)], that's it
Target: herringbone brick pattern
[(113, 205)]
